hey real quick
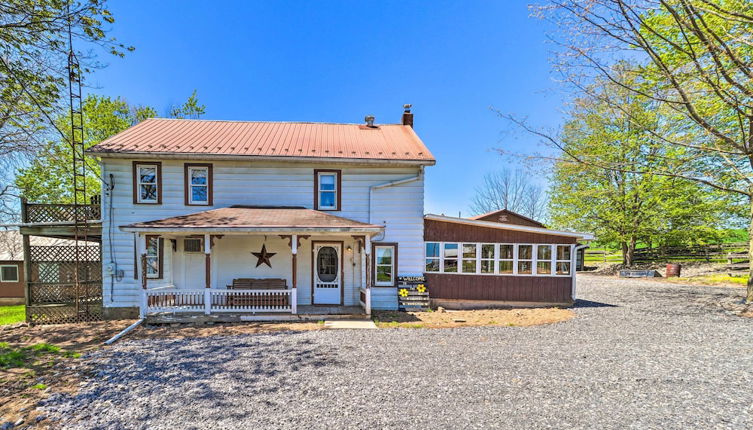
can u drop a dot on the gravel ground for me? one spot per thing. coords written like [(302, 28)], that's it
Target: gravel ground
[(639, 355)]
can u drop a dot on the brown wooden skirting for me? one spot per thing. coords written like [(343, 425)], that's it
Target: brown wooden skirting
[(441, 231), (503, 288)]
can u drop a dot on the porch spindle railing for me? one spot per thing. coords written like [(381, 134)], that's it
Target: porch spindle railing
[(207, 300)]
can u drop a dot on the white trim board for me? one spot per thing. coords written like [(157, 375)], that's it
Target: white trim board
[(515, 227)]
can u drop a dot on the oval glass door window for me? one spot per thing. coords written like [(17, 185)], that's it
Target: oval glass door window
[(326, 263)]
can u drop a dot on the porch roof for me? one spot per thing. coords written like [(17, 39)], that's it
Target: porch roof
[(262, 219)]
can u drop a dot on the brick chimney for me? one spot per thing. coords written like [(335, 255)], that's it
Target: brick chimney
[(407, 116)]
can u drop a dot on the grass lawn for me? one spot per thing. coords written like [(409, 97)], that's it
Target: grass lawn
[(714, 279), (12, 314)]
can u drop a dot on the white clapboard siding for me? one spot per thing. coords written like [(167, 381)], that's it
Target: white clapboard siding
[(399, 208)]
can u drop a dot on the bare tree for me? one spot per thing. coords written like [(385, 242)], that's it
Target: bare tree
[(689, 58), (511, 190)]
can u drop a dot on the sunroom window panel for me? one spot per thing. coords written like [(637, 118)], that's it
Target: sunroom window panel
[(563, 252), (487, 266), (506, 252), (432, 250), (505, 267), (544, 252), (563, 268), (525, 267), (525, 252), (544, 267), (432, 264), (450, 260)]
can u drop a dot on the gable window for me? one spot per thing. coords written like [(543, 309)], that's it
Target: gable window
[(432, 257), (506, 258), (147, 183), (385, 264), (525, 259), (154, 246), (327, 188), (9, 273), (469, 258), (563, 259), (198, 184)]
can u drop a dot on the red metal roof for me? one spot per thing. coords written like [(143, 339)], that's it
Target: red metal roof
[(158, 136), (248, 217)]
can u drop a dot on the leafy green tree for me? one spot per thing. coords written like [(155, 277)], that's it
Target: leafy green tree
[(629, 205), (691, 59), (49, 176), (191, 109), (33, 77)]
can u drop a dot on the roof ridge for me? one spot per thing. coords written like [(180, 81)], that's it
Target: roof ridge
[(268, 122)]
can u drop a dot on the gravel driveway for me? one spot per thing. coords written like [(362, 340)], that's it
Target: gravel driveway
[(640, 354)]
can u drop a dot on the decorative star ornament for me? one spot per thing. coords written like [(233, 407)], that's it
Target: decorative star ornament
[(263, 256)]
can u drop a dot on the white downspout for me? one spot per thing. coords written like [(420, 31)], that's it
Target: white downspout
[(392, 184), (573, 267)]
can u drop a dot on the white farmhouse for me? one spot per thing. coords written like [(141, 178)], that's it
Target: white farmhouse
[(230, 216)]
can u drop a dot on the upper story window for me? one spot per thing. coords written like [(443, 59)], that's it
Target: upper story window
[(147, 183), (198, 184), (327, 189)]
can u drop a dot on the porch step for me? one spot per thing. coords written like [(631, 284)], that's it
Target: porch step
[(201, 318)]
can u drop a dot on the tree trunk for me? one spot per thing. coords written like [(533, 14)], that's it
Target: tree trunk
[(627, 253), (631, 251), (749, 296)]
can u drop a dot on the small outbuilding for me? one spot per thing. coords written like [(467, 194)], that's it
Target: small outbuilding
[(499, 259)]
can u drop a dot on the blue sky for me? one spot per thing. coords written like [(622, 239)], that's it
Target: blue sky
[(336, 61)]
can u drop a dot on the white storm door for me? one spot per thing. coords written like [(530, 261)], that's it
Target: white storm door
[(327, 270)]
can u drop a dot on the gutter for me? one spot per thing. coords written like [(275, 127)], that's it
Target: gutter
[(304, 159), (131, 229), (392, 184)]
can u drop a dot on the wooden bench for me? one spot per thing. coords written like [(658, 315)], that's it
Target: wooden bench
[(271, 300)]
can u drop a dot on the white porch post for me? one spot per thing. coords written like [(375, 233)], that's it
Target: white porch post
[(141, 270), (294, 290), (367, 253), (207, 271)]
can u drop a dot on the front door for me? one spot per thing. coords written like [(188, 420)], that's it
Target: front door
[(327, 279)]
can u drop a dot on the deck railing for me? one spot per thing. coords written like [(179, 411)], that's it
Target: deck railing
[(40, 213), (207, 300)]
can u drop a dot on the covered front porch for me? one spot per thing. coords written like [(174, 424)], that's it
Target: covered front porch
[(245, 263)]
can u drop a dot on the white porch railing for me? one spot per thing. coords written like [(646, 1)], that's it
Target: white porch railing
[(364, 298), (209, 300)]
